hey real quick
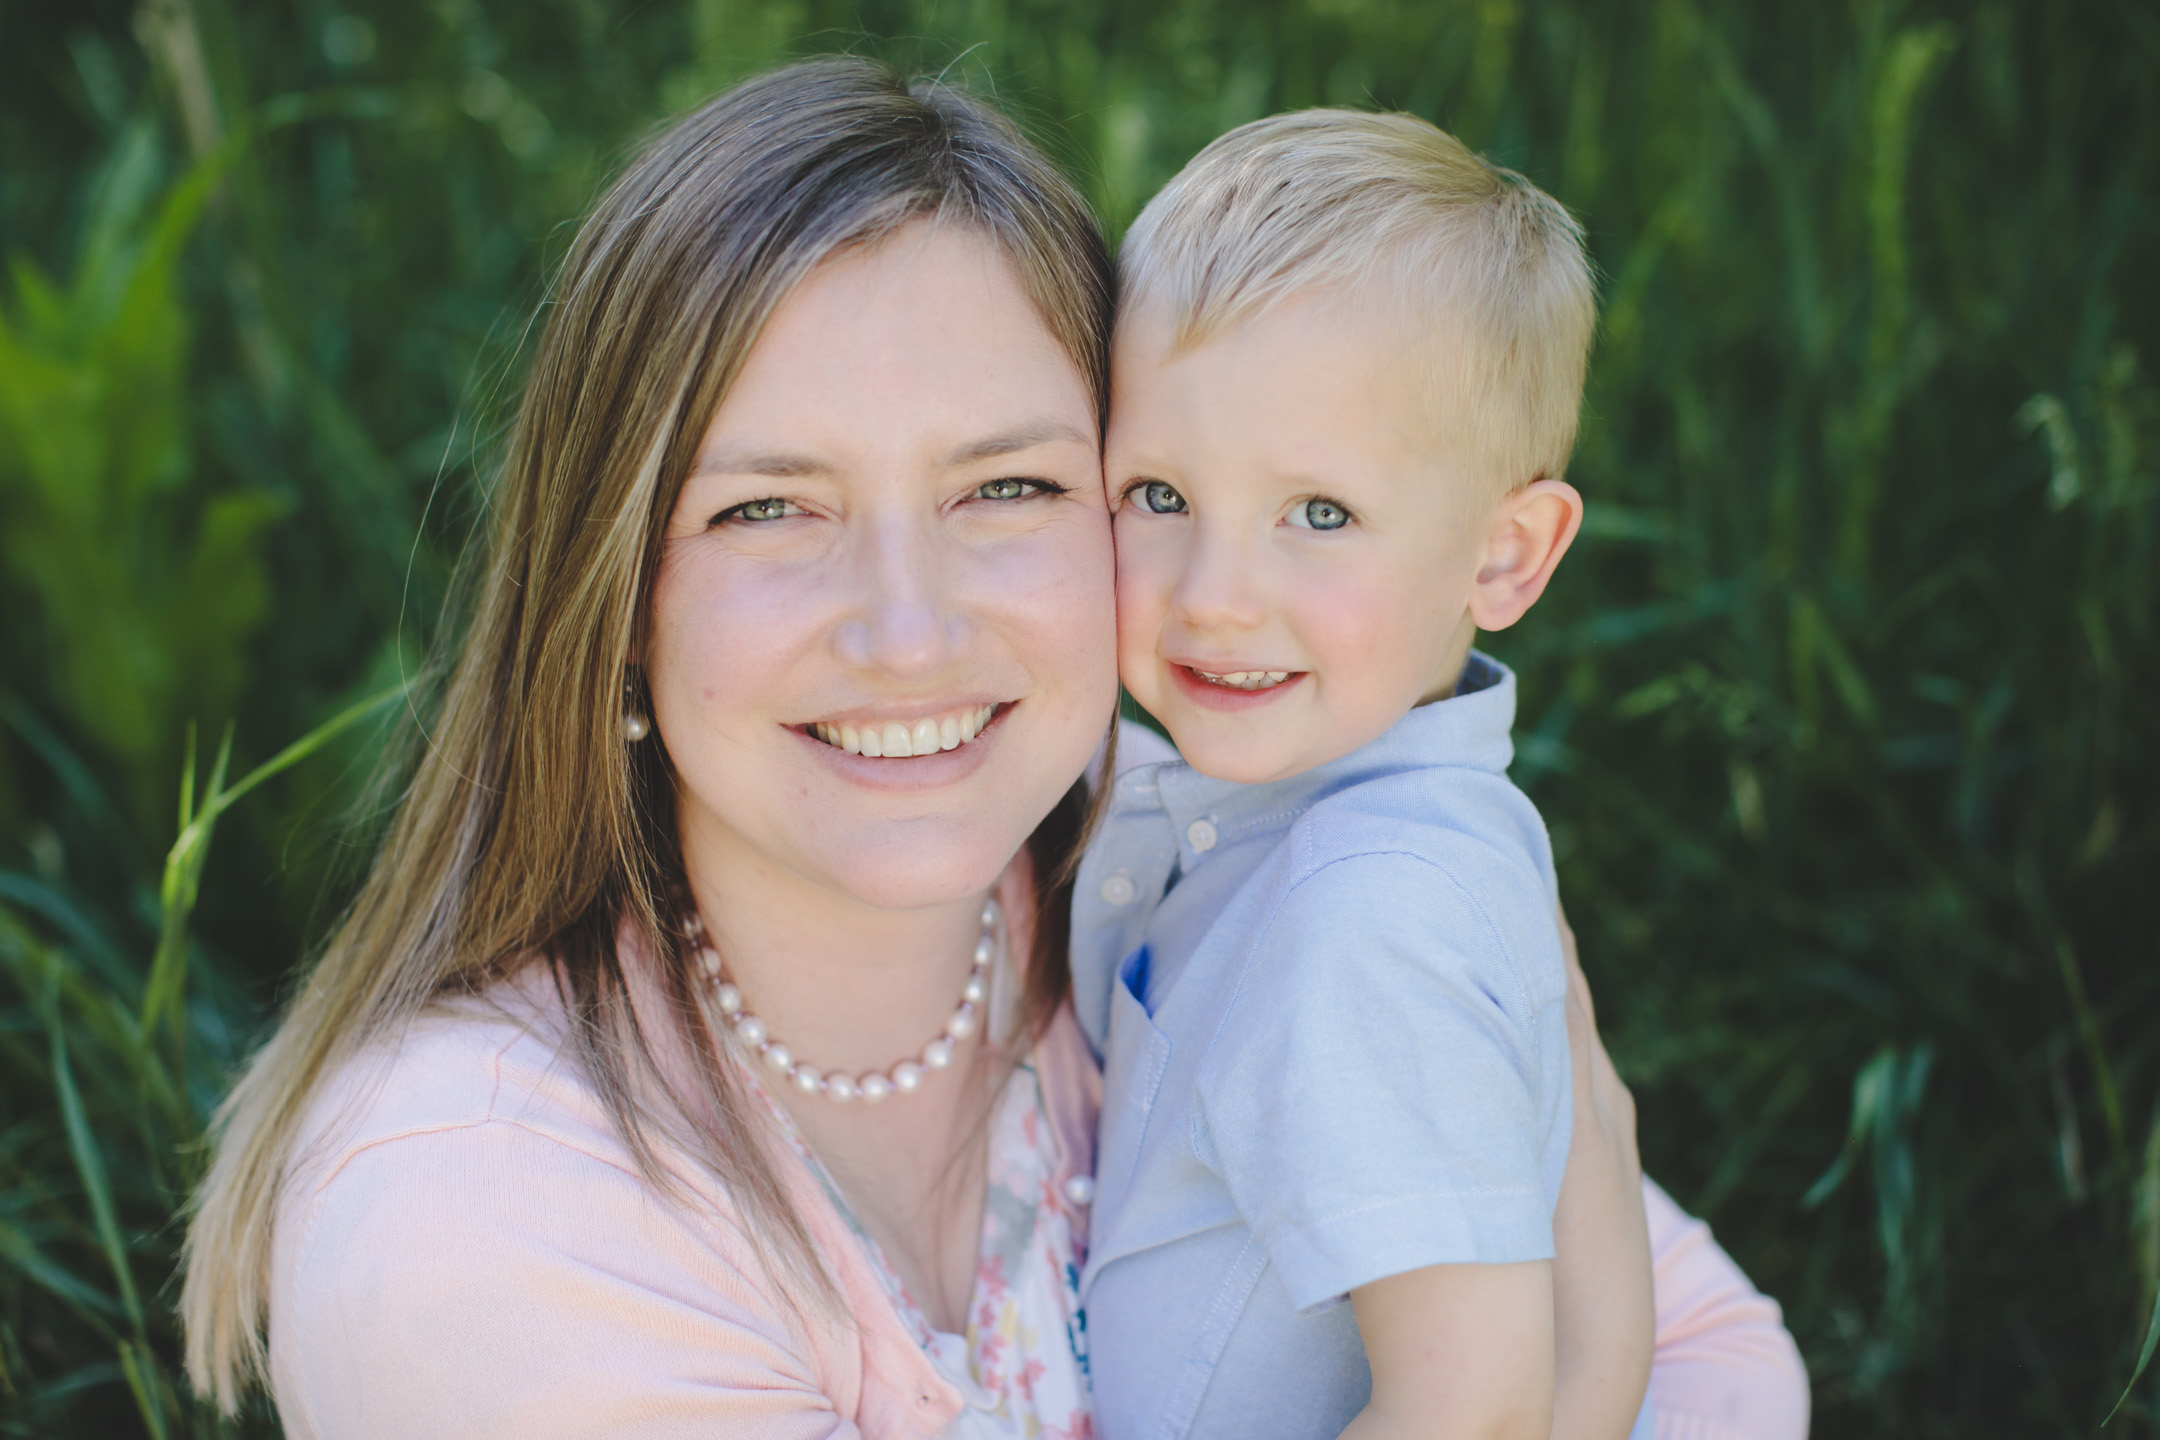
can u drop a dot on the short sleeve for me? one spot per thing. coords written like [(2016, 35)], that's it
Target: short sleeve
[(490, 1280), (1389, 1089)]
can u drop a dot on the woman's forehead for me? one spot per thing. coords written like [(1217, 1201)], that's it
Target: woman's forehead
[(927, 339)]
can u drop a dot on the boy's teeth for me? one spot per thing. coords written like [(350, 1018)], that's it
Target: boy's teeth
[(1244, 679), (902, 738)]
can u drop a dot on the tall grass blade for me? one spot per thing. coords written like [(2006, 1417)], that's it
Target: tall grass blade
[(2145, 1355), (90, 1165), (142, 1380), (88, 1302), (184, 862)]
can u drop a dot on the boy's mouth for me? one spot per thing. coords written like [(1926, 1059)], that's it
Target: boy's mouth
[(1243, 679), (899, 739)]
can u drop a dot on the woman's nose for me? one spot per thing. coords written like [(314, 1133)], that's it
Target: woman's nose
[(906, 625)]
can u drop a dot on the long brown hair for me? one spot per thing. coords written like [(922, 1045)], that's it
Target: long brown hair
[(528, 829)]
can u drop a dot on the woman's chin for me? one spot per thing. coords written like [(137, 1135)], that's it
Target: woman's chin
[(916, 867)]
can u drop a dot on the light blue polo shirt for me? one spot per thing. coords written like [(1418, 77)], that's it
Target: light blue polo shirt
[(1330, 1015)]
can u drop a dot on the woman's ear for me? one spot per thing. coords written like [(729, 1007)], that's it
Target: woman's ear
[(1530, 531)]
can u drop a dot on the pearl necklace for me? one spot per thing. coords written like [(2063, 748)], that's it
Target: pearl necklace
[(904, 1078)]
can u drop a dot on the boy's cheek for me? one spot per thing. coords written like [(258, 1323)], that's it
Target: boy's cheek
[(1139, 623), (1146, 576)]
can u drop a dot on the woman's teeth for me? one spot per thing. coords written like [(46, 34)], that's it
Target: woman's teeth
[(900, 738), (1244, 679)]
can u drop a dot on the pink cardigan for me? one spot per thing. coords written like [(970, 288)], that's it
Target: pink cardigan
[(465, 1249)]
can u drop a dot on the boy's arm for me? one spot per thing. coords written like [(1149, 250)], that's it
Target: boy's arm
[(1451, 1347), (1458, 1352), (1605, 1319)]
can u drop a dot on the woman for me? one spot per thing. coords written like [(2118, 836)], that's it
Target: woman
[(678, 1071)]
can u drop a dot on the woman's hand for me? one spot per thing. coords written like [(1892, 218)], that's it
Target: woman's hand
[(1604, 1319)]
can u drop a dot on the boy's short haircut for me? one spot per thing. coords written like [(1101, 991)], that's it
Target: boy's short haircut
[(1393, 209)]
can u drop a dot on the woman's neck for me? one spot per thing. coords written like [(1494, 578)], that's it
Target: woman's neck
[(849, 986), (852, 987)]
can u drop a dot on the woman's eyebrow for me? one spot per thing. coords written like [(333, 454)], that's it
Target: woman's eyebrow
[(772, 463), (1021, 437), (783, 465)]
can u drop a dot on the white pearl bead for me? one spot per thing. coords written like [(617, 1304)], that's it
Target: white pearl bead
[(1080, 1189), (871, 1087), (635, 727)]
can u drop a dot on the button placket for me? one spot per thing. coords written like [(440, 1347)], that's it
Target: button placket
[(1202, 835)]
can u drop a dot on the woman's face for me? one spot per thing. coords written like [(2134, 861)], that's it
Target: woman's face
[(883, 642)]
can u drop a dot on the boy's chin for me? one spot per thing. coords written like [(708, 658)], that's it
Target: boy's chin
[(1214, 747)]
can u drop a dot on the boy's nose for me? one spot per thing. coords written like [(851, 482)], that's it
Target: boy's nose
[(1217, 589)]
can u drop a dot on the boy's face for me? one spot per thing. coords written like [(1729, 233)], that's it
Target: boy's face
[(1297, 547)]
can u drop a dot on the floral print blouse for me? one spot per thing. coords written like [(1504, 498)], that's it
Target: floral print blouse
[(1022, 1363)]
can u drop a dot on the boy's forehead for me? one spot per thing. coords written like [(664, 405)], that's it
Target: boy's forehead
[(1327, 339), (1367, 320)]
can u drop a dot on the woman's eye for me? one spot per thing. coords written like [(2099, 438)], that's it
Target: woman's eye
[(1319, 515), (770, 508), (1162, 499), (1019, 488)]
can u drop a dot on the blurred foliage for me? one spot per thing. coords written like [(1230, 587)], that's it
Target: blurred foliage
[(149, 590), (1842, 715)]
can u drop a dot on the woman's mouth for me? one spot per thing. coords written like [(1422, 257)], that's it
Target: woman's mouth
[(896, 739)]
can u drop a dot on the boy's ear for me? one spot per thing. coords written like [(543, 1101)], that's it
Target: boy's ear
[(1530, 532)]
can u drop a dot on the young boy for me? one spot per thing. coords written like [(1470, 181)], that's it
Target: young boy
[(1321, 958)]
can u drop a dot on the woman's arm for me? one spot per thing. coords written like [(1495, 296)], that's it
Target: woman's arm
[(487, 1280)]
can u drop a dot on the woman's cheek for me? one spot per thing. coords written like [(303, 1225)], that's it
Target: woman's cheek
[(725, 630), (1060, 582)]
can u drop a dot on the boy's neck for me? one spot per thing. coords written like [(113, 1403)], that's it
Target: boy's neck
[(1453, 663)]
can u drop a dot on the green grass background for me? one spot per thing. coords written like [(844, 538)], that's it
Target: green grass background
[(1842, 715)]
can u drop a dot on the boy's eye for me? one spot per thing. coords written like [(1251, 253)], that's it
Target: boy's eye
[(772, 507), (1319, 515), (1162, 499)]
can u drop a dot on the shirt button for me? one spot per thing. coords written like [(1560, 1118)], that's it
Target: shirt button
[(1118, 889), (1080, 1189), (1201, 835)]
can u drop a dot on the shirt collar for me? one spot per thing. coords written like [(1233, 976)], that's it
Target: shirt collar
[(1468, 729)]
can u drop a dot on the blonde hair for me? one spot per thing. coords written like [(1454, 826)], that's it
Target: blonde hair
[(528, 832), (1392, 209)]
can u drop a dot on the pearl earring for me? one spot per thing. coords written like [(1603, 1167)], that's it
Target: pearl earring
[(635, 727)]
